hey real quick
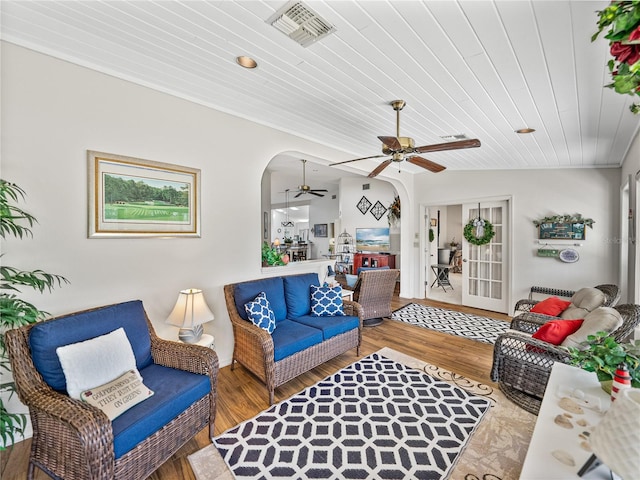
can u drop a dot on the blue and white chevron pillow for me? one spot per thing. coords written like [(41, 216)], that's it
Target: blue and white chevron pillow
[(326, 301), (260, 313)]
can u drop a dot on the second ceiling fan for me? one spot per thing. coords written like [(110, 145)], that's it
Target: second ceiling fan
[(403, 148), (304, 188)]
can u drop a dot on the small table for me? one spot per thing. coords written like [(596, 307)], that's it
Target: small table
[(549, 437), (206, 341), (347, 294), (441, 271)]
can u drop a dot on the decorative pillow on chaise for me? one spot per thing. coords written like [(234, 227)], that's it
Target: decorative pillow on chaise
[(602, 319), (552, 306)]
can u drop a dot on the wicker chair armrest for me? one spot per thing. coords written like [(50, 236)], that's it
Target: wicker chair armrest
[(522, 347), (353, 308), (530, 322), (525, 305), (184, 356), (557, 292)]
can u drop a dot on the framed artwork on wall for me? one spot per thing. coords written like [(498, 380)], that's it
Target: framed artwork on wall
[(378, 210), (320, 229), (132, 197), (364, 204)]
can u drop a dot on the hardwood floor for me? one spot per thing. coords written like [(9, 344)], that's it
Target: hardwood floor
[(241, 396)]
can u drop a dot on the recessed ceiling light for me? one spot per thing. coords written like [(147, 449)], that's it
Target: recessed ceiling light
[(246, 62), (525, 130)]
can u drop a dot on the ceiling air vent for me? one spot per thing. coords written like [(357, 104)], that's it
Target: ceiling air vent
[(300, 23), (454, 138)]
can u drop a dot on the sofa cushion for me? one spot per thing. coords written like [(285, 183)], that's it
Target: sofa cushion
[(175, 391), (602, 319), (46, 337), (326, 301), (274, 289), (552, 306), (119, 395), (96, 361), (291, 337), (584, 301), (297, 292), (351, 280), (260, 313), (330, 326)]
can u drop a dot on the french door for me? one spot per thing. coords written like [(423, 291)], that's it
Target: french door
[(484, 271)]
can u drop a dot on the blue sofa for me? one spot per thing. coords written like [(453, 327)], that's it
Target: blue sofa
[(300, 340), (73, 439)]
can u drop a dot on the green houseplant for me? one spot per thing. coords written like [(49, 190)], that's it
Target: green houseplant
[(15, 312), (271, 257), (603, 355)]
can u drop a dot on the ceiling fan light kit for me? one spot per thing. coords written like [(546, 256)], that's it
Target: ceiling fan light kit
[(403, 148)]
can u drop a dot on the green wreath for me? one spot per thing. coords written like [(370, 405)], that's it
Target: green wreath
[(470, 231)]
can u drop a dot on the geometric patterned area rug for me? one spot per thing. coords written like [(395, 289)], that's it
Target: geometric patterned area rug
[(495, 451), (474, 327), (375, 418)]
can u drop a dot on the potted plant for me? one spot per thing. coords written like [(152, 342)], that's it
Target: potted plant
[(603, 355), (271, 257), (15, 312)]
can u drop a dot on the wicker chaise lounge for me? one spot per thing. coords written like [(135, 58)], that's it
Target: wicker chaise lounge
[(522, 364), (75, 440)]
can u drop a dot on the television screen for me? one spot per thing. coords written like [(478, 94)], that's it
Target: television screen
[(372, 239)]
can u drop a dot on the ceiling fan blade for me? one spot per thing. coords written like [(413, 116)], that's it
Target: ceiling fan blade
[(379, 168), (356, 159), (428, 164), (439, 147), (318, 190), (392, 142), (313, 192), (299, 194)]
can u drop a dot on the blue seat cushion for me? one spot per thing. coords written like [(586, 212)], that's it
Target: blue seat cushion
[(297, 291), (45, 337), (330, 326), (174, 392), (246, 292), (291, 337), (364, 269)]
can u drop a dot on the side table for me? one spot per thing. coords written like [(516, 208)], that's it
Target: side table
[(207, 341), (572, 405), (441, 271)]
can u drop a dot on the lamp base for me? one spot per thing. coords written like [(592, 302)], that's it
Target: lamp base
[(190, 335)]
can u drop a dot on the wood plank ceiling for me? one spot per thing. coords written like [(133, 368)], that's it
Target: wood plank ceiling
[(480, 68)]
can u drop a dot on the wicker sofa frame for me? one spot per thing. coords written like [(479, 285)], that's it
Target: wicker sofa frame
[(522, 373), (254, 350), (611, 292), (74, 440)]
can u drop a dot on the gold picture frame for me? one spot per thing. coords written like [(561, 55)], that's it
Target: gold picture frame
[(132, 197)]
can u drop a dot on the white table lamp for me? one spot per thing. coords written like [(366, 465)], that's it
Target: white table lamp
[(190, 312)]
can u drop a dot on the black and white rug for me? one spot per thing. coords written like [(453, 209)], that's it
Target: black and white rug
[(475, 327), (375, 419)]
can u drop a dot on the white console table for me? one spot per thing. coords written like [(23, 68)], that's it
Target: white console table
[(551, 441)]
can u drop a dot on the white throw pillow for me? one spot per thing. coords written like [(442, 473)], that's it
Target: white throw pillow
[(603, 319), (96, 361), (119, 395)]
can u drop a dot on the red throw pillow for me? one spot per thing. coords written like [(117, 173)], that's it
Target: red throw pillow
[(556, 331), (552, 306)]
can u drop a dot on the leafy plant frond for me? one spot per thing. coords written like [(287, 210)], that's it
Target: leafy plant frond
[(11, 215), (10, 277)]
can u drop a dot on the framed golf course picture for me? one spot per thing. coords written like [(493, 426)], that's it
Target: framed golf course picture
[(131, 197)]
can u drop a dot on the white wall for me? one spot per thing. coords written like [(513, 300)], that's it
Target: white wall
[(536, 194), (630, 174)]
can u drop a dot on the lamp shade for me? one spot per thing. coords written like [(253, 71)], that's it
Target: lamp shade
[(616, 439), (190, 312)]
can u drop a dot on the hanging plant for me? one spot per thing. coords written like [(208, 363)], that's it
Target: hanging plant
[(577, 218), (393, 215), (432, 236), (478, 231), (622, 20)]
